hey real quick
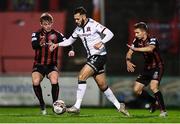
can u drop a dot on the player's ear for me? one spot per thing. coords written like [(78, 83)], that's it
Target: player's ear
[(84, 16), (40, 23)]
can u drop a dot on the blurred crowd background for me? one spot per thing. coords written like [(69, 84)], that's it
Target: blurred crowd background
[(162, 17)]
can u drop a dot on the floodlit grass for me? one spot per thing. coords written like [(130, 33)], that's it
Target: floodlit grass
[(87, 115)]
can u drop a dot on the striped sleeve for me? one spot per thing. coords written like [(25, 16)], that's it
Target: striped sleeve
[(153, 41), (100, 28), (74, 34), (34, 37)]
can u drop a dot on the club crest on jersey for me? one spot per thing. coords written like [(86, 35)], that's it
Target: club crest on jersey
[(52, 37), (88, 29)]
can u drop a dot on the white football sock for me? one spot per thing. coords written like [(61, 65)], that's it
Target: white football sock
[(110, 96), (80, 94)]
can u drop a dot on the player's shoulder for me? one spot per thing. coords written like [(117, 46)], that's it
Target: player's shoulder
[(77, 29), (152, 39), (93, 22), (57, 32), (35, 33)]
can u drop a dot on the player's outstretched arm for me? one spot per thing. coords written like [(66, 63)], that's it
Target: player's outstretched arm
[(149, 48), (130, 65), (65, 43)]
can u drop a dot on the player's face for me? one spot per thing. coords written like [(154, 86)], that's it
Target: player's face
[(79, 19), (46, 25), (140, 34)]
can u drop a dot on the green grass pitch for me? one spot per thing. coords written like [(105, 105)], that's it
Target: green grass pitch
[(87, 115)]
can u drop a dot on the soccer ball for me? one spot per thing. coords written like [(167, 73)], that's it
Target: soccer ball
[(59, 107)]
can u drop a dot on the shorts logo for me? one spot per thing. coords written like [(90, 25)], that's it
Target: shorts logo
[(155, 76), (93, 59)]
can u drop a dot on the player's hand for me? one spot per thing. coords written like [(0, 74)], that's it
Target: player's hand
[(53, 46), (130, 66), (71, 53), (131, 47), (99, 45), (42, 41), (50, 43)]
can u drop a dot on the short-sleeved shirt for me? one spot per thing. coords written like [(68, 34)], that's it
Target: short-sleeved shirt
[(152, 59), (90, 34), (43, 55)]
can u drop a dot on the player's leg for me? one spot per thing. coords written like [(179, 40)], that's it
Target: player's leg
[(84, 74), (154, 86), (53, 77), (141, 82), (101, 82), (36, 79)]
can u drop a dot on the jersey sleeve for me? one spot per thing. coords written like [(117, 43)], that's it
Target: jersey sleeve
[(135, 43), (100, 28), (74, 34), (35, 40), (60, 37), (153, 41)]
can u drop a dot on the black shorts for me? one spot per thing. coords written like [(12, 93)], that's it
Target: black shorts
[(150, 74), (44, 69), (97, 63)]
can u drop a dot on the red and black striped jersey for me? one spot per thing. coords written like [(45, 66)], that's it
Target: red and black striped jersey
[(152, 59), (43, 55)]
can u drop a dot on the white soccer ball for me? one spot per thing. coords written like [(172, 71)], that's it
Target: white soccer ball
[(59, 107)]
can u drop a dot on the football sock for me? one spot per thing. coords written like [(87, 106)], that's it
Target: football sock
[(159, 98), (38, 92), (55, 92), (145, 95), (80, 93), (110, 96)]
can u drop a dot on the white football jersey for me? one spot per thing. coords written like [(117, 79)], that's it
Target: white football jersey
[(90, 34)]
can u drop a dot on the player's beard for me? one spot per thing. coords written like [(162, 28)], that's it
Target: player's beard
[(82, 23)]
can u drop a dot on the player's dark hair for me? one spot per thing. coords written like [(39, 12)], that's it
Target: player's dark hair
[(141, 25), (46, 17), (81, 10)]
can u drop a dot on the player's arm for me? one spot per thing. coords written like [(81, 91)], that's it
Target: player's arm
[(130, 65), (71, 50), (65, 43), (108, 35), (148, 48), (37, 42)]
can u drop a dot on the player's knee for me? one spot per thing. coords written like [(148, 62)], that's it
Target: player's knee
[(137, 91), (36, 81), (53, 80), (82, 77), (154, 88)]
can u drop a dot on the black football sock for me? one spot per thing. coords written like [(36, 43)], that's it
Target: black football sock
[(145, 95), (160, 100), (38, 92), (55, 92)]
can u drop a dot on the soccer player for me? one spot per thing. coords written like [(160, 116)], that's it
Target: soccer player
[(45, 61), (90, 32), (153, 69)]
